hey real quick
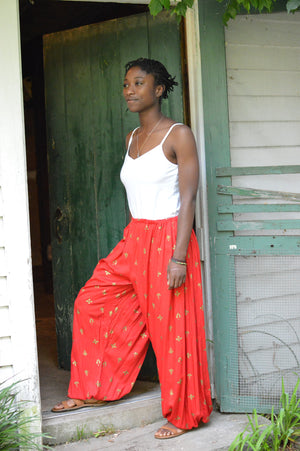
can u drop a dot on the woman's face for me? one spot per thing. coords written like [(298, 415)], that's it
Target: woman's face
[(139, 90)]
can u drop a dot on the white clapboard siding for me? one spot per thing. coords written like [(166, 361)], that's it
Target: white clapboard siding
[(5, 352), (2, 261), (3, 291), (263, 78), (5, 322), (256, 57), (18, 352), (263, 82), (275, 156), (259, 107), (265, 134), (280, 29)]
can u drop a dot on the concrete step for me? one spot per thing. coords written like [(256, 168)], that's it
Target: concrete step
[(142, 406), (217, 435)]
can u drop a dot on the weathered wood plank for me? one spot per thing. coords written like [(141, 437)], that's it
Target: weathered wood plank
[(3, 291), (257, 170), (6, 351), (262, 82), (279, 31), (263, 58), (2, 262), (258, 245), (253, 192), (5, 325), (6, 372), (226, 226), (271, 155), (254, 134), (258, 208), (2, 238), (1, 203), (263, 107)]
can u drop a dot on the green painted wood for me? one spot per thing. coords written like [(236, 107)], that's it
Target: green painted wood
[(252, 192), (216, 127), (87, 122), (225, 226), (258, 245), (59, 175), (257, 170), (159, 49), (258, 208), (224, 246)]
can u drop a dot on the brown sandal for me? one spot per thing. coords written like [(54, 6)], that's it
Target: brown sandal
[(175, 432), (77, 404)]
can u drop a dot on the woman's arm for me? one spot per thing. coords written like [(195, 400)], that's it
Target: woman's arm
[(184, 146)]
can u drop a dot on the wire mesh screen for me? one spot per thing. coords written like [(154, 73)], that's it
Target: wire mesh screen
[(268, 326)]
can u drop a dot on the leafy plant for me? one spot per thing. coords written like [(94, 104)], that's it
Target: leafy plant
[(283, 430), (106, 430), (232, 7), (15, 423)]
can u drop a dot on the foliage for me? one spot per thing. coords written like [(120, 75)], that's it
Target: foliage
[(232, 7), (105, 430), (14, 423), (282, 431), (292, 5)]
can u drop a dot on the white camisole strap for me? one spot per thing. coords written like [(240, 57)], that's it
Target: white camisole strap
[(130, 139), (163, 140), (169, 131)]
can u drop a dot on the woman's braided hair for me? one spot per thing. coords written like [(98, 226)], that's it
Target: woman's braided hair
[(159, 72)]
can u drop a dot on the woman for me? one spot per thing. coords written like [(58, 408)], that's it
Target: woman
[(149, 287)]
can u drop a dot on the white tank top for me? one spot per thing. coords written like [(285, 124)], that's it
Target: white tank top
[(151, 183)]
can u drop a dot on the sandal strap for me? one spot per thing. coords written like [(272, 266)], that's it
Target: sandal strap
[(173, 429), (77, 402)]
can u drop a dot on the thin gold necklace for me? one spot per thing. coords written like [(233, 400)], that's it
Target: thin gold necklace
[(148, 136)]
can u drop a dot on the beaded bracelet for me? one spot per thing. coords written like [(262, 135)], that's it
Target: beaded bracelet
[(179, 262)]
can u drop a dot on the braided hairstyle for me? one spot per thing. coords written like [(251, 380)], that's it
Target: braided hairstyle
[(159, 72)]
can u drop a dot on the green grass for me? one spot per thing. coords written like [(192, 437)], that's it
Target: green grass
[(280, 434), (15, 422)]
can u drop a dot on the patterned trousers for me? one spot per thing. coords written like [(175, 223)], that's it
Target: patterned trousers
[(125, 304)]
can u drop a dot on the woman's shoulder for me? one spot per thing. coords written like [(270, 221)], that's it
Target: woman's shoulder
[(181, 131)]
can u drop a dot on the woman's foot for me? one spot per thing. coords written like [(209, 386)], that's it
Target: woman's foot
[(74, 404), (169, 431)]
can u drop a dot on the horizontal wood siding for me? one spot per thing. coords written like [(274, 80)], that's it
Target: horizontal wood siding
[(6, 362), (263, 76)]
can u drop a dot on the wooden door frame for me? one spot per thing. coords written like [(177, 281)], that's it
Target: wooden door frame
[(19, 345)]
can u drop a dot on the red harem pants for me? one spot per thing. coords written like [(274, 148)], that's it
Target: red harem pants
[(126, 303)]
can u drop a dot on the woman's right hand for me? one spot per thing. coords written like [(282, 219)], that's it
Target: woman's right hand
[(176, 275)]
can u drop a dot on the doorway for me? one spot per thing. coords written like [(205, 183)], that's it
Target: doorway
[(50, 17)]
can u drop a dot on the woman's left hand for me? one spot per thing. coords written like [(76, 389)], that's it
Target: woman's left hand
[(176, 275)]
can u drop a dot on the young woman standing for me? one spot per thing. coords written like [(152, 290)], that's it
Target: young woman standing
[(149, 287)]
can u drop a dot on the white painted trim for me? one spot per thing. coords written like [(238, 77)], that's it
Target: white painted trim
[(193, 49), (16, 212)]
